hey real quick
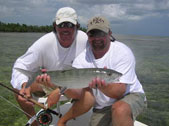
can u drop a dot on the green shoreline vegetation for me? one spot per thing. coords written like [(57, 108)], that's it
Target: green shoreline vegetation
[(16, 27)]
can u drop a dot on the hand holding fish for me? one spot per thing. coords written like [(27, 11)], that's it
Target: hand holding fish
[(113, 89), (44, 79), (97, 83)]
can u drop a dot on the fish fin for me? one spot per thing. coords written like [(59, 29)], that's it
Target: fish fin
[(29, 74)]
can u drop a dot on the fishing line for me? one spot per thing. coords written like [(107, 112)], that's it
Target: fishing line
[(15, 106), (24, 96), (44, 117), (31, 100)]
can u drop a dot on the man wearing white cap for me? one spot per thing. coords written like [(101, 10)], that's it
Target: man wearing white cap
[(54, 51)]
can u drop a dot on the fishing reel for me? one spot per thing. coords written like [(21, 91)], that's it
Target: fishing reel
[(44, 118)]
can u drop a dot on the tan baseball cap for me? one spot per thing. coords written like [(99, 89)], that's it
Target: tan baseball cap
[(66, 14), (100, 23)]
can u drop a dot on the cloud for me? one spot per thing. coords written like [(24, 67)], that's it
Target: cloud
[(37, 2), (27, 11), (5, 11), (132, 10), (118, 12)]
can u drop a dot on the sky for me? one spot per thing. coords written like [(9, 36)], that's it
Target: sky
[(136, 17)]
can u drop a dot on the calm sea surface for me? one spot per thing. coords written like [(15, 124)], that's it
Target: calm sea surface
[(152, 58), (144, 47)]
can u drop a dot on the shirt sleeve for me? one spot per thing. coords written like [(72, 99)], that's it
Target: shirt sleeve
[(76, 63), (126, 66), (29, 61)]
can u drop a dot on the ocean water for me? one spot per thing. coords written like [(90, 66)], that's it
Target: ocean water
[(152, 68)]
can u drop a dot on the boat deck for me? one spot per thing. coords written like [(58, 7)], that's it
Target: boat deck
[(79, 121)]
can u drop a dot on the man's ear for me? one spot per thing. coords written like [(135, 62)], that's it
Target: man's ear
[(78, 25), (110, 32), (111, 36), (54, 26)]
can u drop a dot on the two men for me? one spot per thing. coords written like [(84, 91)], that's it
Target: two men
[(114, 104)]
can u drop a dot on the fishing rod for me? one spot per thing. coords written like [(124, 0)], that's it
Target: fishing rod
[(43, 116), (24, 96)]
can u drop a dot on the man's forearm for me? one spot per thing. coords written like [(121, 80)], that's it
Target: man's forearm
[(115, 90)]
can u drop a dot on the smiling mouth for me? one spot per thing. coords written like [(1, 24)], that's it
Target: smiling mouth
[(65, 33), (98, 45)]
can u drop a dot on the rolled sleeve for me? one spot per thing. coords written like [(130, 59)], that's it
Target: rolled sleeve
[(29, 61), (18, 79)]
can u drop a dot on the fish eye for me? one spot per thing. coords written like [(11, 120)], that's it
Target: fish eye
[(63, 71), (109, 74)]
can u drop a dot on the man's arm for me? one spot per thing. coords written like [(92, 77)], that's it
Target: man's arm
[(113, 90)]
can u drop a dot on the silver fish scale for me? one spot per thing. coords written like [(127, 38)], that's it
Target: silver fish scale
[(80, 78), (74, 78)]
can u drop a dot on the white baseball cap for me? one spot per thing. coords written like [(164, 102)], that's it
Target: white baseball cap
[(66, 14)]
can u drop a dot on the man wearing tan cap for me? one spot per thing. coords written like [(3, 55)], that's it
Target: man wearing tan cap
[(53, 51), (115, 104)]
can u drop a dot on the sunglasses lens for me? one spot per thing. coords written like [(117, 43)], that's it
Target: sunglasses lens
[(96, 33), (70, 25), (66, 24)]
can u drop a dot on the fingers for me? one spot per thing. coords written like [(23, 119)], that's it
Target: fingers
[(27, 94), (100, 83), (93, 83), (22, 92), (44, 79), (48, 81), (97, 83), (41, 78)]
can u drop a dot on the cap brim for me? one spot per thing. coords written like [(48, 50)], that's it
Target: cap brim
[(66, 20), (106, 30)]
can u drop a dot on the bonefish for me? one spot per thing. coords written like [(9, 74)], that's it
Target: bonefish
[(74, 78)]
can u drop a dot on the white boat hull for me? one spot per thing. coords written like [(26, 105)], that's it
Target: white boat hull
[(79, 121)]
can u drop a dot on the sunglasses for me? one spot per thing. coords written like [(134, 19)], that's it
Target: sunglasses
[(96, 33), (66, 25)]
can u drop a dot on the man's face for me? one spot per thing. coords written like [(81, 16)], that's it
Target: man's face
[(66, 33), (99, 42)]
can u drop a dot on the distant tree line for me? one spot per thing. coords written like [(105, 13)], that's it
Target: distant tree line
[(16, 27), (12, 27)]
